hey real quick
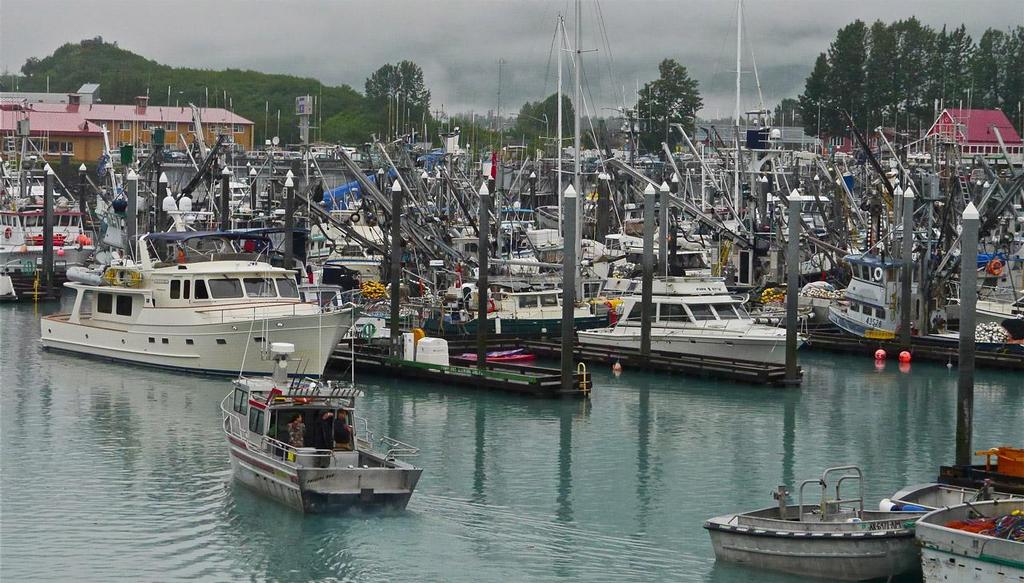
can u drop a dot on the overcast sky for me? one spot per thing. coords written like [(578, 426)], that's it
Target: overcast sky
[(458, 43)]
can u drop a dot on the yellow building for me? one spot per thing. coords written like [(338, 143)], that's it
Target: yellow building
[(51, 135)]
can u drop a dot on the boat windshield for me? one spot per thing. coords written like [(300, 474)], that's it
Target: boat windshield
[(701, 312), (672, 313), (259, 287), (286, 287), (725, 311)]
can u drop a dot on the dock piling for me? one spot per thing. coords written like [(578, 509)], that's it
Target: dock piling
[(663, 197), (396, 268), (569, 290), (647, 287), (792, 285), (968, 304), (48, 230), (83, 205), (158, 207), (482, 284), (225, 197), (131, 217), (289, 223), (908, 266)]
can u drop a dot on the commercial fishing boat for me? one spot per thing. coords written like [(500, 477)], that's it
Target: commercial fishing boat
[(692, 316), (870, 309), (204, 302), (979, 541), (835, 539), (334, 468)]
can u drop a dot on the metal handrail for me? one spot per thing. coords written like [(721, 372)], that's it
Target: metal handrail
[(398, 448)]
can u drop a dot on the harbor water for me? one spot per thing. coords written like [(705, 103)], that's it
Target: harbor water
[(112, 472)]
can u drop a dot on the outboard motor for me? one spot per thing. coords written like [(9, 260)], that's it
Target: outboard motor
[(279, 352)]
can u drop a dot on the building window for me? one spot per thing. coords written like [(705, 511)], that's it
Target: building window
[(60, 147), (239, 128), (126, 125)]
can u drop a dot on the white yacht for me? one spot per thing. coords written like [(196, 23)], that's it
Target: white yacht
[(198, 301), (692, 316)]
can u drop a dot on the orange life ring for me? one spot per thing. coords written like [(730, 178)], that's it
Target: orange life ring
[(7, 233), (994, 267)]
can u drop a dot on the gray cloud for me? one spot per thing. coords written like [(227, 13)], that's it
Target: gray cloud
[(458, 43)]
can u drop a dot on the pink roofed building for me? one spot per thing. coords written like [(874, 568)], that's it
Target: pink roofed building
[(134, 124), (975, 131), (51, 134)]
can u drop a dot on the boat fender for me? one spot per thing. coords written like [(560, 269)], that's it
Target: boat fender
[(7, 233), (886, 505), (909, 508)]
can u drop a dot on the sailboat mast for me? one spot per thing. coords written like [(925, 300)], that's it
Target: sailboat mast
[(739, 64), (577, 106), (558, 147)]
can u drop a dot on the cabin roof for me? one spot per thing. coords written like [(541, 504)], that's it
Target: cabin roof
[(149, 113), (978, 124)]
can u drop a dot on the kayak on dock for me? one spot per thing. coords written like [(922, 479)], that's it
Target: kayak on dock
[(515, 355)]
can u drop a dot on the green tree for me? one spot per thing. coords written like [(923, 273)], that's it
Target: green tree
[(846, 59), (398, 90), (816, 106), (672, 98), (540, 118), (882, 99), (788, 113), (985, 70), (915, 44)]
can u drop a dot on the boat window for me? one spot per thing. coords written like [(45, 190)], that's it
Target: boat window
[(201, 292), (256, 420), (104, 303), (528, 301), (241, 401), (187, 289), (225, 288), (258, 287), (725, 311), (124, 305), (548, 300), (854, 307), (701, 312), (672, 313), (636, 312), (880, 313), (286, 288), (175, 289), (741, 311)]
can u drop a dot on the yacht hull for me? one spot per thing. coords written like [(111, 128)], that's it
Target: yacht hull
[(771, 350), (214, 348)]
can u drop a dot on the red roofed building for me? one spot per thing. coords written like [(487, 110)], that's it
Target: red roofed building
[(974, 130), (51, 134), (133, 124)]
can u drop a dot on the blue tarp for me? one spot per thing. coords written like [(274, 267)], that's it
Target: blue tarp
[(337, 199)]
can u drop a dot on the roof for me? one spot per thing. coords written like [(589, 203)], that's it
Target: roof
[(41, 123), (979, 123), (151, 113)]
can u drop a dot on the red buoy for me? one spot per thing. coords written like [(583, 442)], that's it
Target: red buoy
[(905, 356), (879, 354)]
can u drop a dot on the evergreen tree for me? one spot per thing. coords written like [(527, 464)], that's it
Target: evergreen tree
[(398, 86), (986, 76), (672, 98), (915, 44), (846, 59), (815, 101), (882, 98)]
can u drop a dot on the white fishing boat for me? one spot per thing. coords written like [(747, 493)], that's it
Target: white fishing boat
[(203, 302), (690, 316), (870, 309), (835, 539), (978, 541), (302, 444)]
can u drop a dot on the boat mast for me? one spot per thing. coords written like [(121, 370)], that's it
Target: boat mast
[(558, 147), (577, 106), (739, 63)]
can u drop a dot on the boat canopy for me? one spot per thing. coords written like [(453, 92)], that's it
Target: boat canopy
[(177, 237)]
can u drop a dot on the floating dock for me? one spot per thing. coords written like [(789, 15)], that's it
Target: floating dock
[(1003, 356), (531, 380), (701, 366)]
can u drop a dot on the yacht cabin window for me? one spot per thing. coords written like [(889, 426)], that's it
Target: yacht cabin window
[(124, 305), (636, 312), (225, 288), (241, 401), (201, 293), (548, 300), (528, 301), (286, 287), (105, 303), (701, 312), (672, 313), (258, 287), (186, 287), (725, 312), (256, 420), (175, 289)]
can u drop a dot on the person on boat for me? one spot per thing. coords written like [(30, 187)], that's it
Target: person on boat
[(342, 432), (297, 431)]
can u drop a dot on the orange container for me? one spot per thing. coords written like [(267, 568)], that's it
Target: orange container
[(1010, 460)]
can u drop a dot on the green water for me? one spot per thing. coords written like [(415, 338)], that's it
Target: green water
[(112, 472)]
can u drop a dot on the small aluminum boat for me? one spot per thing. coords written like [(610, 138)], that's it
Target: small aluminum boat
[(837, 539), (928, 497), (302, 444)]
